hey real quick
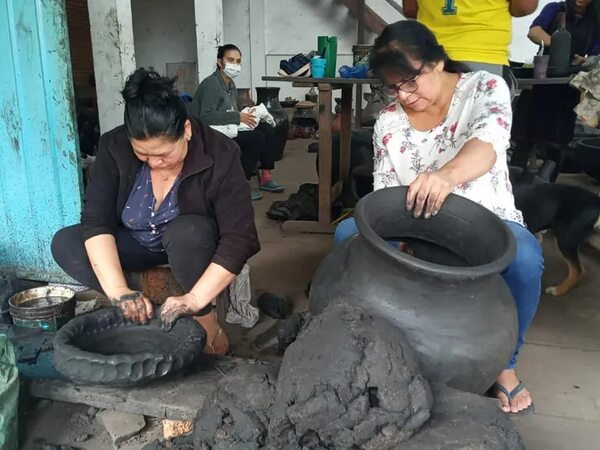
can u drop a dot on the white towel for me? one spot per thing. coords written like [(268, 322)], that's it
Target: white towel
[(262, 115), (260, 112), (240, 311), (230, 130)]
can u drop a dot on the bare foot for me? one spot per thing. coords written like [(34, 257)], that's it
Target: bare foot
[(509, 380), (216, 339)]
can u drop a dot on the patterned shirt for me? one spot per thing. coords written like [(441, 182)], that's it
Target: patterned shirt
[(481, 109), (148, 224)]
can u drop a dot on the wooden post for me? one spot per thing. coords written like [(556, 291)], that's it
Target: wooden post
[(325, 123), (360, 39)]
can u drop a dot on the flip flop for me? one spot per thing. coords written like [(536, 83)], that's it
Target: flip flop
[(271, 186), (511, 395)]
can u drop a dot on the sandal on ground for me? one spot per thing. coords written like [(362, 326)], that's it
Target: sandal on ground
[(510, 395), (219, 345), (271, 186)]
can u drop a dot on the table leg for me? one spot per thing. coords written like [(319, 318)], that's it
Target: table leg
[(325, 123), (346, 134), (323, 225)]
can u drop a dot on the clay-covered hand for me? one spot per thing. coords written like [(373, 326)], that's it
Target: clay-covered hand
[(176, 307), (134, 305), (428, 192)]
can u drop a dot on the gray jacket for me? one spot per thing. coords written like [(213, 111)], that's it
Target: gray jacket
[(215, 102)]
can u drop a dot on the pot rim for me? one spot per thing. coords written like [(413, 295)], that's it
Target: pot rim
[(373, 239)]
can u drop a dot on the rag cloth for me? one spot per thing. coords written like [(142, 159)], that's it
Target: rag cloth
[(260, 112), (588, 109), (240, 311)]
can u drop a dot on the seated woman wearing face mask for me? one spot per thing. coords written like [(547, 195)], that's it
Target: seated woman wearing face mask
[(215, 102)]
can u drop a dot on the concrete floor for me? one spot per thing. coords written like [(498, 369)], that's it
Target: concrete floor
[(560, 363)]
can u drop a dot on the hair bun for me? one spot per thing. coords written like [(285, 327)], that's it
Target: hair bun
[(148, 86)]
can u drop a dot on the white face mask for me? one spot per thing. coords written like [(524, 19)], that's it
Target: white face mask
[(232, 70)]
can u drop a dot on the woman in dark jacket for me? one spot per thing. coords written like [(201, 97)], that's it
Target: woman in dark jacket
[(215, 102), (164, 189)]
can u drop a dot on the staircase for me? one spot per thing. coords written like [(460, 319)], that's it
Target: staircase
[(377, 13)]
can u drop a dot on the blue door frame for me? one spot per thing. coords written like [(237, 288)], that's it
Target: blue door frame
[(40, 181)]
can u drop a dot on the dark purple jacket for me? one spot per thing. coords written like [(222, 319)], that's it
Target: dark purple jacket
[(212, 184)]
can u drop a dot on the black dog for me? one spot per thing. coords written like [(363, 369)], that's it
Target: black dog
[(573, 213)]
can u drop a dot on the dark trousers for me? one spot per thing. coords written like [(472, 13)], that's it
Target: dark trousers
[(257, 146), (189, 241), (544, 115)]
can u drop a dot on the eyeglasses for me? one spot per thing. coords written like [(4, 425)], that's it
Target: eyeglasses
[(409, 86)]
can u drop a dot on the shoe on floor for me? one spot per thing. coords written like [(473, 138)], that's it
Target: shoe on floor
[(271, 186), (256, 195), (297, 66)]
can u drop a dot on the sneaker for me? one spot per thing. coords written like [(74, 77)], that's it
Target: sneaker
[(297, 66), (256, 195), (271, 186)]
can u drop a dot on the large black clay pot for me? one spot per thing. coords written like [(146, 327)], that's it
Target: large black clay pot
[(588, 156), (449, 298), (270, 97), (104, 348)]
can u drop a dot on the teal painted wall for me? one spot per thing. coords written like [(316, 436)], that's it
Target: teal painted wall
[(40, 182)]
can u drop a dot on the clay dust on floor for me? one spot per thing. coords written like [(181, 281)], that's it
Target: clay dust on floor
[(559, 363)]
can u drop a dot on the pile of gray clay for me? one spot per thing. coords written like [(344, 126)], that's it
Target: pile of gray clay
[(348, 381)]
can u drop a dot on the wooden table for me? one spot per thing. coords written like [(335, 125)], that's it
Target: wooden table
[(327, 193), (528, 83)]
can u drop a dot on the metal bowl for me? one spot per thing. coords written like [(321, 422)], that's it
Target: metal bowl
[(47, 307)]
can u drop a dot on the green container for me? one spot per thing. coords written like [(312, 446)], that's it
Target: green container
[(327, 48)]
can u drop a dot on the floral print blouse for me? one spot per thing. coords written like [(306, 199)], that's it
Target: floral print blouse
[(481, 109)]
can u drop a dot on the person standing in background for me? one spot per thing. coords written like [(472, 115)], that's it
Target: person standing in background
[(474, 32)]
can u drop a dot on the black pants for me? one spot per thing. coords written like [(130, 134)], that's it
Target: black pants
[(257, 146), (544, 115), (189, 241)]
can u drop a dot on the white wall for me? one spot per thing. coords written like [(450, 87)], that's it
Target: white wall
[(272, 30), (164, 32), (521, 48), (114, 57)]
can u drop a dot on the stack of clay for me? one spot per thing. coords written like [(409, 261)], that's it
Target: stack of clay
[(348, 381)]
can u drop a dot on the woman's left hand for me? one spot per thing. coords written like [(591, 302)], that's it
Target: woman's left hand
[(428, 192), (176, 307)]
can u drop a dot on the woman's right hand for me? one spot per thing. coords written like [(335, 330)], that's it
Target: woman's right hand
[(248, 119), (134, 305)]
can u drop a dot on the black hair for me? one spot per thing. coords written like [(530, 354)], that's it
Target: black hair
[(225, 48), (405, 41), (591, 16), (152, 106)]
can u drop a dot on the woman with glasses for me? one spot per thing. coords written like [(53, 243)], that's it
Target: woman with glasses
[(447, 132)]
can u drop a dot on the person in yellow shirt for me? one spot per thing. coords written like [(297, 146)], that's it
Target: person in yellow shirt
[(475, 32)]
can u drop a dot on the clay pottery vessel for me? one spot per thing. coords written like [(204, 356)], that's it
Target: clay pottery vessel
[(444, 291), (270, 97), (103, 348), (588, 156), (244, 99)]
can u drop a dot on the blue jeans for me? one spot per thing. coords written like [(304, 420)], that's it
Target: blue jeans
[(523, 276)]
